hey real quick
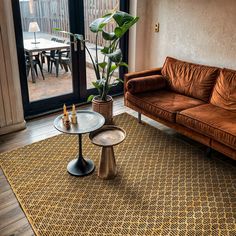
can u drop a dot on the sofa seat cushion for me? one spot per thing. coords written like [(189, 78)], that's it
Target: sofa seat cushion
[(212, 121), (162, 103), (224, 92), (190, 79)]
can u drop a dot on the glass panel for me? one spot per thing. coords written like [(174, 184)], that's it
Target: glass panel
[(47, 52), (94, 9)]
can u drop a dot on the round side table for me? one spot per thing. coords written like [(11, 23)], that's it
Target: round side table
[(88, 121), (107, 137)]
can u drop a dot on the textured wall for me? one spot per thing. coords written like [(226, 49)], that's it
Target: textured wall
[(137, 46), (202, 31), (11, 110)]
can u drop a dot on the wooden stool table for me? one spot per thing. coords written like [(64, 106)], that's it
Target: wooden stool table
[(107, 137)]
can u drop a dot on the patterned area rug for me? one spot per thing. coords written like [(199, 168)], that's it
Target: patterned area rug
[(164, 186)]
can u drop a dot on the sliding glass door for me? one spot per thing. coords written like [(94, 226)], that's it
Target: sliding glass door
[(53, 70)]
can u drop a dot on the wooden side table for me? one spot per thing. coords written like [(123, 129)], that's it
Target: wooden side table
[(107, 137)]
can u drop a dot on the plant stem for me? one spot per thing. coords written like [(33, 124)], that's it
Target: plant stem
[(96, 58), (117, 43), (94, 66), (103, 70), (112, 46), (105, 88)]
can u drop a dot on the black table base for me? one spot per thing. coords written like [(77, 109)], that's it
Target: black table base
[(80, 167)]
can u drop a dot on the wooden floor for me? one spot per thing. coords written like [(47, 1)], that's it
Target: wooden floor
[(12, 218)]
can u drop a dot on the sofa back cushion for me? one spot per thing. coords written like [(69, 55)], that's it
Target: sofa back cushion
[(190, 79), (224, 92)]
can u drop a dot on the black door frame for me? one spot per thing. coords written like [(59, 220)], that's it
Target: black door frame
[(80, 92)]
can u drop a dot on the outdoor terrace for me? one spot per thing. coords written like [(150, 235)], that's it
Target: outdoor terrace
[(52, 85), (54, 14)]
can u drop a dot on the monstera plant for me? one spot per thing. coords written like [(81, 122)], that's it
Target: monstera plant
[(112, 57)]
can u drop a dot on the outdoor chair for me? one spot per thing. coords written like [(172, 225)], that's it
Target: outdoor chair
[(60, 40), (43, 53), (36, 62), (63, 58), (60, 58), (50, 56)]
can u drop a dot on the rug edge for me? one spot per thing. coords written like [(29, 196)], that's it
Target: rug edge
[(21, 206)]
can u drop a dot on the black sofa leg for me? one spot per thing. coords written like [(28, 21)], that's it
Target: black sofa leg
[(208, 152), (139, 118)]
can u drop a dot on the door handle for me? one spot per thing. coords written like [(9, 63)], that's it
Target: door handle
[(81, 43), (75, 42)]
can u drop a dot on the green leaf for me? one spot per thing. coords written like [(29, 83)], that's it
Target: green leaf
[(105, 50), (102, 64), (79, 37), (102, 82), (112, 85), (124, 25), (118, 32), (113, 67), (115, 56), (122, 18), (63, 31), (98, 24), (108, 36), (123, 64), (90, 98), (108, 14), (120, 80), (97, 85)]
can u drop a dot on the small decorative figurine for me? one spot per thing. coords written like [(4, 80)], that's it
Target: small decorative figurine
[(73, 115), (64, 113), (67, 121)]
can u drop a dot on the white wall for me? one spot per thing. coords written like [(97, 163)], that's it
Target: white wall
[(201, 31)]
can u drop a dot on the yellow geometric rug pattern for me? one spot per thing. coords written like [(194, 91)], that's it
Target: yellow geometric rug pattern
[(164, 186)]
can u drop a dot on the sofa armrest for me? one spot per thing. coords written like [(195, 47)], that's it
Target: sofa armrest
[(154, 71), (131, 75), (145, 84)]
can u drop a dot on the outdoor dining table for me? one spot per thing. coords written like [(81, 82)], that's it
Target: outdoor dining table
[(42, 45)]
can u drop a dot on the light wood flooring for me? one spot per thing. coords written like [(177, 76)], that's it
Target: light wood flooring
[(12, 219)]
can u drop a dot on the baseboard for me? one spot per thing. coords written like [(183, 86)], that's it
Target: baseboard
[(12, 128)]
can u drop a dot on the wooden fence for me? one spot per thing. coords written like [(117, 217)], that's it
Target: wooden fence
[(54, 14)]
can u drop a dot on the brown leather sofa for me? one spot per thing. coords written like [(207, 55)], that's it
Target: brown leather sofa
[(198, 101)]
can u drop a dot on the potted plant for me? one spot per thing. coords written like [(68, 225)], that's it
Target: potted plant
[(112, 58)]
